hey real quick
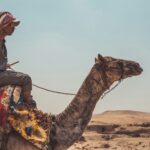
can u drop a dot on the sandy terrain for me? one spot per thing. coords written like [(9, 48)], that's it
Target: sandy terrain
[(116, 130)]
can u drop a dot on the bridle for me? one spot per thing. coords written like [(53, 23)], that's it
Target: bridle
[(103, 68)]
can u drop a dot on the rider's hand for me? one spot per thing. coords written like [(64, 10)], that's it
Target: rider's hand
[(8, 66)]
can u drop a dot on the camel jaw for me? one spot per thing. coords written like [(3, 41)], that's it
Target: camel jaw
[(131, 69)]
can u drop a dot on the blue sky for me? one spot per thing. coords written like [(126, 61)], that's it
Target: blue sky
[(57, 41)]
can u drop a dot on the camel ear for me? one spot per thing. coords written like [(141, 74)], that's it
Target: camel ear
[(100, 59), (95, 60)]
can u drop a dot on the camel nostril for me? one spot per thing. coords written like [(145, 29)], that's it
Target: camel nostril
[(140, 70)]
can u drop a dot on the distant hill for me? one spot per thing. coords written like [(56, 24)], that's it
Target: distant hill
[(116, 130), (122, 117)]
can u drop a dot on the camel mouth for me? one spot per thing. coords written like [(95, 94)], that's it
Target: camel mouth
[(133, 69), (137, 69)]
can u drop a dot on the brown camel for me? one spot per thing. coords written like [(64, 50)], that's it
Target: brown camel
[(69, 125)]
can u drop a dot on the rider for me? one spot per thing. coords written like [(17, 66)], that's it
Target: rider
[(7, 77)]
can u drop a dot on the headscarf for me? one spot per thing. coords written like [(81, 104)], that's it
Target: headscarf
[(6, 18)]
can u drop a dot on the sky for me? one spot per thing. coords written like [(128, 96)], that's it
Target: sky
[(57, 41)]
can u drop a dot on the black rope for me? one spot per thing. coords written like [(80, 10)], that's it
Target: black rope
[(64, 93), (105, 93), (52, 90)]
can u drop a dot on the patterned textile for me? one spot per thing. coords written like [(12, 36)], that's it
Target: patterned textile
[(32, 124), (5, 94)]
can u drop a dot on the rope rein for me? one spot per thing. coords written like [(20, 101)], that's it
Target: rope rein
[(106, 92), (52, 91), (65, 93)]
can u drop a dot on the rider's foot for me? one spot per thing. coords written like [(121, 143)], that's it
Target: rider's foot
[(27, 96), (32, 103)]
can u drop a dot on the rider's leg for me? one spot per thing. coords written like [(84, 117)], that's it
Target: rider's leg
[(27, 96), (20, 79)]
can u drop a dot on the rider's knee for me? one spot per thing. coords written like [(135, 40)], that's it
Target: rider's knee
[(27, 82), (27, 79)]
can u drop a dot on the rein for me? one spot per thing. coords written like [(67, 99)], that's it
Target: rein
[(105, 93), (52, 90), (103, 67)]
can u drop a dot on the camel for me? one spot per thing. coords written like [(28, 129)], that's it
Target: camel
[(69, 125)]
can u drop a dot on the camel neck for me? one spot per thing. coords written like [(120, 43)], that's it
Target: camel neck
[(78, 113), (95, 84)]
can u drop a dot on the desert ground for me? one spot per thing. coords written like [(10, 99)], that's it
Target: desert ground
[(116, 130)]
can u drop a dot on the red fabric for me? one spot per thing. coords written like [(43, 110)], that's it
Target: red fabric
[(6, 19), (3, 112)]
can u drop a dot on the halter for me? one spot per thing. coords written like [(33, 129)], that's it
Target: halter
[(104, 68)]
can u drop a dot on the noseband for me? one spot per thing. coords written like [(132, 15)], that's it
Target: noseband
[(103, 68)]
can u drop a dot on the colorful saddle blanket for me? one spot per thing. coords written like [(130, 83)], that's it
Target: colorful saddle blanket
[(32, 124)]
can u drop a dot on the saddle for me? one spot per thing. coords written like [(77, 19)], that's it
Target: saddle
[(32, 124)]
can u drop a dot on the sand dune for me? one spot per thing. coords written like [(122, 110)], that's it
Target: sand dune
[(116, 130)]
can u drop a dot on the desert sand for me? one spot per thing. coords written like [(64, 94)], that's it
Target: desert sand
[(116, 130)]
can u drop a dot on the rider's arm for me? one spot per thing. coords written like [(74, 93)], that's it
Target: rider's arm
[(3, 56)]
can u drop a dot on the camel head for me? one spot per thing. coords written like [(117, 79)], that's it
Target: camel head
[(117, 69)]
